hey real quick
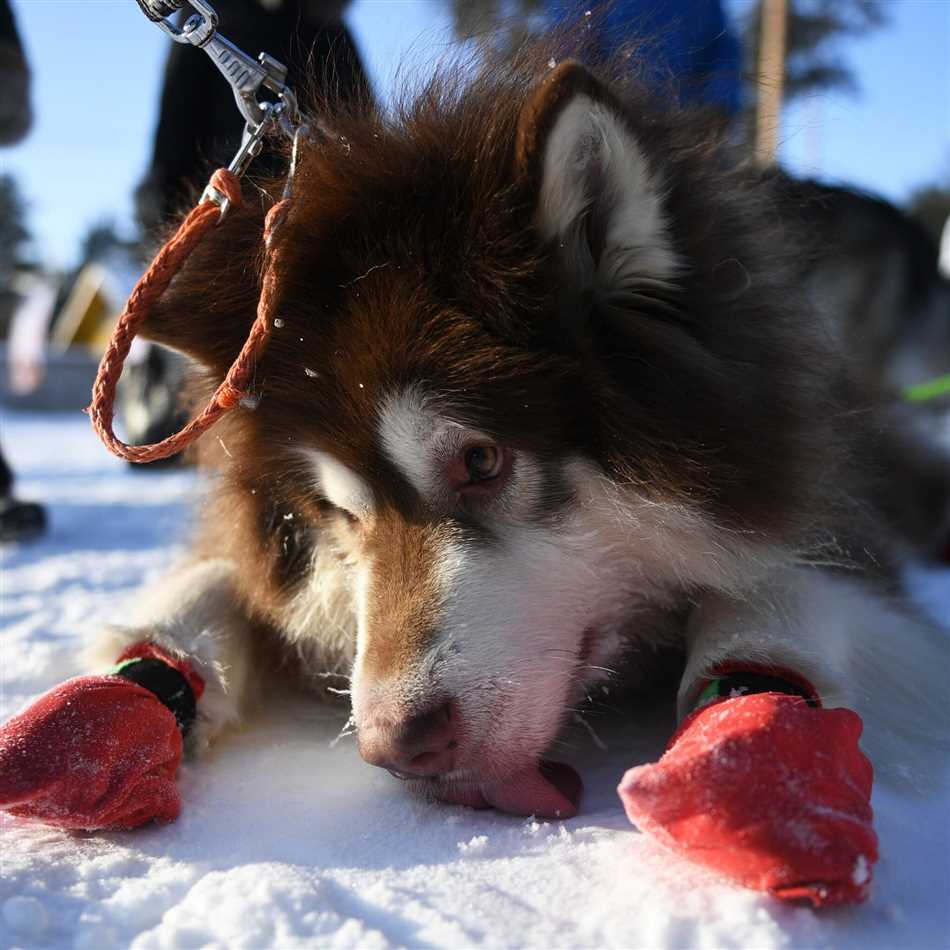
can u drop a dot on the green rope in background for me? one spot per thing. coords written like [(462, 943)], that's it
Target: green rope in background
[(929, 390)]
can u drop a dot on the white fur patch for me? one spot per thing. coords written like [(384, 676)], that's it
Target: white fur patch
[(340, 485), (513, 630), (587, 139), (319, 621), (408, 429), (671, 547)]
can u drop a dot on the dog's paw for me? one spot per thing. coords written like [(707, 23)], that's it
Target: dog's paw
[(768, 790), (96, 752)]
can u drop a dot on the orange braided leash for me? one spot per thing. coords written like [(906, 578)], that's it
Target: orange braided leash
[(150, 287)]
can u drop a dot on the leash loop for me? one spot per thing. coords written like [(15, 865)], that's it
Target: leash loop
[(247, 78), (147, 291)]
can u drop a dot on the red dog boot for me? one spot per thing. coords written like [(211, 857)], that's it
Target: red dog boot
[(101, 752), (768, 788)]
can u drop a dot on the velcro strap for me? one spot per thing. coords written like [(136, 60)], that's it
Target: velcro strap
[(728, 685), (167, 683)]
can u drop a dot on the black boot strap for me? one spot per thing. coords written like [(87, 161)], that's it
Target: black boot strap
[(744, 682), (167, 683)]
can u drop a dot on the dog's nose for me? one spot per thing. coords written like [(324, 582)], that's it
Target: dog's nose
[(416, 745)]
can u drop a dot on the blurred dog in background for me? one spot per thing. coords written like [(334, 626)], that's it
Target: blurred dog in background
[(872, 271)]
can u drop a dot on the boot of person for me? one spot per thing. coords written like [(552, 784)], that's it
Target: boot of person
[(19, 520)]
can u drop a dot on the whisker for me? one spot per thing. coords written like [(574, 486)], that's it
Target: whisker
[(578, 718), (349, 729)]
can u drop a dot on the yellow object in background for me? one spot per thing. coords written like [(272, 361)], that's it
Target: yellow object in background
[(90, 311)]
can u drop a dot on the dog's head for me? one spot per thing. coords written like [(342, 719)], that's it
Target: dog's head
[(502, 392)]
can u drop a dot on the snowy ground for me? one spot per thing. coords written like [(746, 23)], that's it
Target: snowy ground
[(286, 841)]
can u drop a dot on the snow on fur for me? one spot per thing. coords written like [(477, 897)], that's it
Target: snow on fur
[(286, 840)]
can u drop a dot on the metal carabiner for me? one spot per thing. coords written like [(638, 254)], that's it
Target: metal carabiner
[(252, 141), (246, 76), (160, 11)]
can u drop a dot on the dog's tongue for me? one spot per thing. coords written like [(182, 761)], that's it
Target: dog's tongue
[(548, 790)]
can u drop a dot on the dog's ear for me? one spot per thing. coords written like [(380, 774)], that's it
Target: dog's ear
[(208, 310), (596, 197)]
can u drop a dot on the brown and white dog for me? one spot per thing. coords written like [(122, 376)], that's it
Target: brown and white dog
[(543, 397)]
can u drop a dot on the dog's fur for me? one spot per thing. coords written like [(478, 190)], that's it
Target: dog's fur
[(872, 271), (534, 258)]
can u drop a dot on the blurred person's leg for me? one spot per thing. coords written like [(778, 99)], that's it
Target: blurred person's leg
[(19, 520), (6, 477), (15, 113)]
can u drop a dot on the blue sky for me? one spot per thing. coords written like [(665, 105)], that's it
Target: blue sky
[(97, 66)]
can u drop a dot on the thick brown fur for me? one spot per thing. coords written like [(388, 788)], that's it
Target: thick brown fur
[(410, 248)]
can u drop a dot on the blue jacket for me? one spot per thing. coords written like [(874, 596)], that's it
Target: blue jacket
[(687, 41)]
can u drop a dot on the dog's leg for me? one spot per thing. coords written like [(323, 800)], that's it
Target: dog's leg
[(765, 780), (857, 647), (193, 614), (102, 751)]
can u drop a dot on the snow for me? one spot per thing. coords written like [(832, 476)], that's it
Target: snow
[(862, 871), (286, 840)]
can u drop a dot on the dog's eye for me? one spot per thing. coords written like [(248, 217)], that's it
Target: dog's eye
[(483, 462), (479, 470)]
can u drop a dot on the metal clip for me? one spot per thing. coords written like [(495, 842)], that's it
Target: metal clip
[(195, 31), (246, 76)]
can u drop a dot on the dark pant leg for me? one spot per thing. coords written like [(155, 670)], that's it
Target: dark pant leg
[(6, 477)]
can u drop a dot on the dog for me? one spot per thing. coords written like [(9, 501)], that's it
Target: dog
[(872, 271), (545, 399)]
